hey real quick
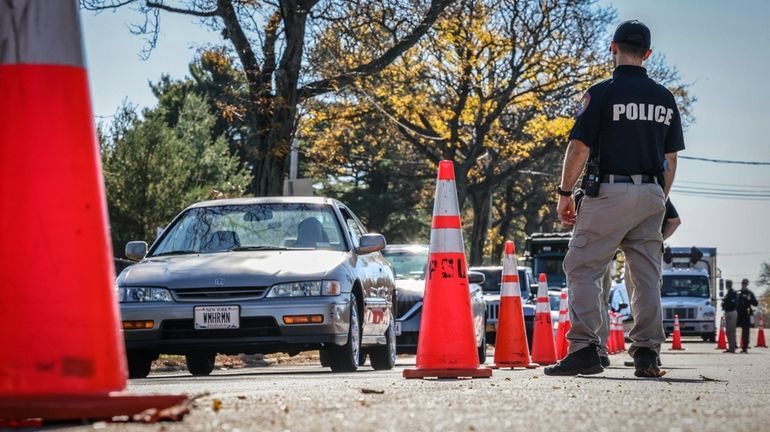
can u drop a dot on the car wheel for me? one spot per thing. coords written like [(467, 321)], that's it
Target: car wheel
[(139, 364), (324, 356), (482, 348), (345, 358), (200, 364), (383, 357)]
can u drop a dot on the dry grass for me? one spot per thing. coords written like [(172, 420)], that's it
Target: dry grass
[(173, 363)]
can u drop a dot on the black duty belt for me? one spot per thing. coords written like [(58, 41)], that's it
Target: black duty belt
[(614, 178)]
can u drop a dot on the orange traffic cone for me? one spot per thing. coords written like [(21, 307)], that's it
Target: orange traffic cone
[(543, 347), (722, 342), (676, 343), (511, 348), (761, 332), (446, 345), (562, 344), (62, 349), (611, 339), (620, 333)]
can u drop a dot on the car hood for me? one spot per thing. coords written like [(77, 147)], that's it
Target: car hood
[(684, 301), (410, 287), (247, 268)]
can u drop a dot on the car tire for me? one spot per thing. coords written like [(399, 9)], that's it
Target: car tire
[(324, 357), (200, 364), (139, 364), (346, 358), (482, 348), (383, 357)]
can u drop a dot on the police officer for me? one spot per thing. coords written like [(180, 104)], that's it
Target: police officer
[(746, 300), (630, 124), (729, 306)]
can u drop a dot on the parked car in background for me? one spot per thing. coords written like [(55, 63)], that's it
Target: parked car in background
[(554, 301), (491, 287), (620, 303), (409, 262), (259, 275)]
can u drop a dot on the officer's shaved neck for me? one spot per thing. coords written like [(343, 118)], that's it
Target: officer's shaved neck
[(620, 58)]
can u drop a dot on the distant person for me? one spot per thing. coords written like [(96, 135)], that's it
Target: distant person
[(746, 300), (730, 307)]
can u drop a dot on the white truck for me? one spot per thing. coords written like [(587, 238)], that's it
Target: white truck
[(691, 286)]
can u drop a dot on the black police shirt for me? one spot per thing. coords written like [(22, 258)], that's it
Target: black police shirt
[(632, 119)]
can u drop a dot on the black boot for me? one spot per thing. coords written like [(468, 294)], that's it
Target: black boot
[(585, 361), (646, 363), (605, 361)]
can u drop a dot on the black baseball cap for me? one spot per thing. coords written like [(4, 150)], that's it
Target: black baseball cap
[(633, 33)]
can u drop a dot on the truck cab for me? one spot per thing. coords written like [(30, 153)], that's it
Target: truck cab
[(690, 280)]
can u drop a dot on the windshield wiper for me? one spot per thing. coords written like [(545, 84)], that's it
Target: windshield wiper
[(257, 248), (177, 252)]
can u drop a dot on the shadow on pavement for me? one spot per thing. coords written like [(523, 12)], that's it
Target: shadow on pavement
[(662, 380)]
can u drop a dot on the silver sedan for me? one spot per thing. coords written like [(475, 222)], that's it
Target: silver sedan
[(259, 275)]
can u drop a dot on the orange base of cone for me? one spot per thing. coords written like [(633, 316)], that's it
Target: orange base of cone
[(447, 373), (514, 366), (95, 407)]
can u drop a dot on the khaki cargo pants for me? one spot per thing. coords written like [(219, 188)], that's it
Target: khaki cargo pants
[(626, 216)]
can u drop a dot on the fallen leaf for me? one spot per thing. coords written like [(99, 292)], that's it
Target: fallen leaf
[(371, 391), (507, 378), (241, 397), (216, 404), (705, 378)]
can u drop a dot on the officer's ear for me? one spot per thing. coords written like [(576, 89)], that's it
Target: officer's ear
[(614, 48), (647, 55)]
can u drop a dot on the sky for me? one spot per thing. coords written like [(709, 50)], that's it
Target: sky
[(721, 48)]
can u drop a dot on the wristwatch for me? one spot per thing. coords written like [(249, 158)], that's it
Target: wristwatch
[(563, 192)]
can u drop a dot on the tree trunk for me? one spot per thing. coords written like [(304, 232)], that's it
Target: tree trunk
[(480, 202)]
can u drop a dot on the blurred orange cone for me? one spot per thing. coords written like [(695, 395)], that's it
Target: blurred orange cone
[(761, 333), (722, 342), (620, 333), (562, 344), (58, 263), (611, 339), (446, 345), (511, 348), (676, 342), (543, 347)]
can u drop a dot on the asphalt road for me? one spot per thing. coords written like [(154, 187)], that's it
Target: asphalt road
[(704, 390)]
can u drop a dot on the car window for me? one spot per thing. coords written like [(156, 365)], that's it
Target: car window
[(355, 230), (407, 264), (555, 301), (253, 226)]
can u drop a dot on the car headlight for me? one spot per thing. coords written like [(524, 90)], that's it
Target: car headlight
[(143, 294), (708, 314), (305, 289)]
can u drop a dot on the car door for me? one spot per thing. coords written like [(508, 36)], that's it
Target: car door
[(374, 275)]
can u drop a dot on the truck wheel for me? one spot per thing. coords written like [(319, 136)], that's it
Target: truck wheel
[(346, 358), (139, 364), (383, 357), (200, 364)]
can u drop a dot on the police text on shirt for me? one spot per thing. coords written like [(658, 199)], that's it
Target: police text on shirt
[(640, 111)]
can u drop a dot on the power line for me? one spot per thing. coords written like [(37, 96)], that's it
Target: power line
[(724, 161)]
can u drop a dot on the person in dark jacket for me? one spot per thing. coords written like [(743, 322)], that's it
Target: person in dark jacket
[(729, 306), (746, 300)]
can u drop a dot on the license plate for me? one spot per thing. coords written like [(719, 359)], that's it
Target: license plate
[(217, 317), (398, 328)]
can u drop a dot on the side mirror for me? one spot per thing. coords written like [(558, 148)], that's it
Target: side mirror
[(476, 277), (622, 306), (136, 250), (369, 243)]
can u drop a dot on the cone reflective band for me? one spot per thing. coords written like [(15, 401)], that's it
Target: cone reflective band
[(61, 342), (446, 346), (562, 344), (511, 348), (543, 347)]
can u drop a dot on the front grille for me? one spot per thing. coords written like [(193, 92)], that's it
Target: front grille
[(223, 293), (250, 327), (684, 313), (405, 303), (493, 309)]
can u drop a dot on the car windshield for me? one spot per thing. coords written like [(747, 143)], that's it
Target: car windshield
[(552, 267), (409, 264), (685, 286), (252, 227), (492, 278), (555, 301)]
